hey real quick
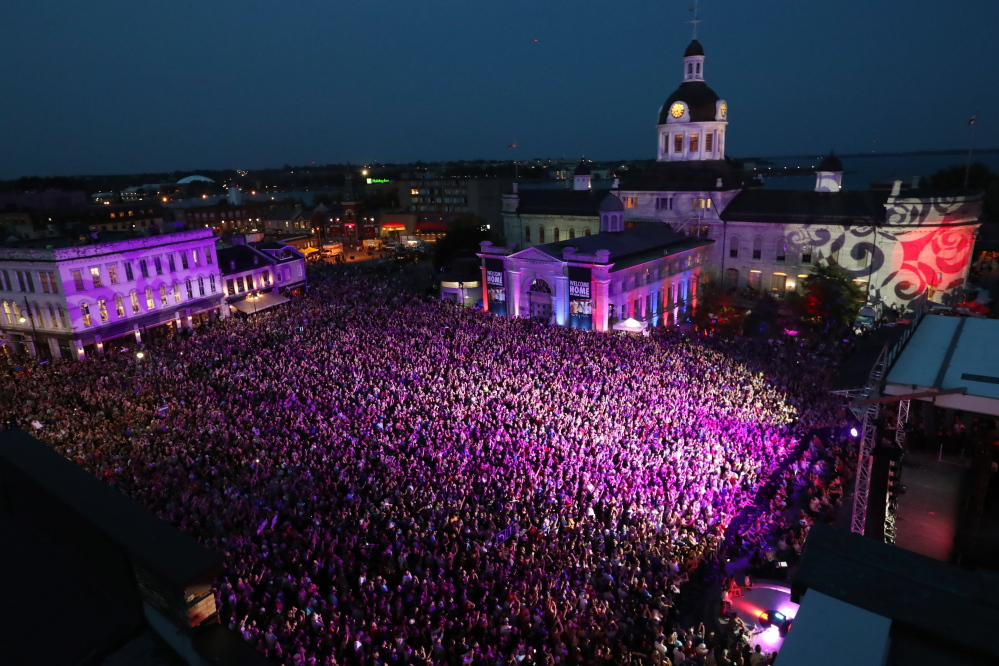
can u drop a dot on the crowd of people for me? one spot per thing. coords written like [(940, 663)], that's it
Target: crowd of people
[(397, 480)]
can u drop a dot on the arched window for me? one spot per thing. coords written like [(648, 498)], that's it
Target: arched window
[(781, 254), (698, 68), (690, 68), (572, 233), (201, 285), (541, 234), (85, 312), (555, 235), (586, 232), (757, 248), (176, 292), (119, 306), (102, 308), (134, 298), (150, 301), (527, 234), (189, 288), (540, 287), (733, 247)]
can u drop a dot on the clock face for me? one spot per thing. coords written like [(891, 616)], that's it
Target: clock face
[(724, 109), (676, 110)]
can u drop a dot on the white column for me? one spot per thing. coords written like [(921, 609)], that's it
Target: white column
[(513, 294), (561, 298)]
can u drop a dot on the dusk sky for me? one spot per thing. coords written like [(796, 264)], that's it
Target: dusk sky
[(120, 87)]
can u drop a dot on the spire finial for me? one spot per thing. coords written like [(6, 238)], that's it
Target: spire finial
[(695, 20)]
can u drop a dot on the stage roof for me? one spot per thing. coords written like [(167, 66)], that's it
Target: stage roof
[(949, 353), (816, 638)]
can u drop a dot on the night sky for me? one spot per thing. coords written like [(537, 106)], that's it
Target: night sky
[(121, 87)]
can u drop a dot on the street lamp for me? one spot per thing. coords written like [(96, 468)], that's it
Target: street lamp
[(34, 331)]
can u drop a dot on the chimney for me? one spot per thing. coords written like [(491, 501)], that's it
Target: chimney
[(718, 183), (616, 184)]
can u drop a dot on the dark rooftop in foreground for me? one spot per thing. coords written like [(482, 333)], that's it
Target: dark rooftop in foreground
[(940, 614)]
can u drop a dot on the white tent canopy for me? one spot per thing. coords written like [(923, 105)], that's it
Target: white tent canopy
[(631, 325)]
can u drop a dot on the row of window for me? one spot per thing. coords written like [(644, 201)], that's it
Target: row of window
[(654, 275), (780, 250), (113, 277), (239, 285), (667, 299), (131, 213), (556, 234), (34, 315), (693, 142), (150, 297), (25, 281), (666, 203)]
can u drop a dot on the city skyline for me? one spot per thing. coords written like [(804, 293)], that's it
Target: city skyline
[(129, 89)]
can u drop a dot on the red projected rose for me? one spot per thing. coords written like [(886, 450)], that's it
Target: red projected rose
[(937, 259)]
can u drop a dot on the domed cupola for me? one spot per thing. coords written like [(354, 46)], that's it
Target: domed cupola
[(692, 120), (581, 176), (829, 174)]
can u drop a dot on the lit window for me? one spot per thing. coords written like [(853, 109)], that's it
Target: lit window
[(8, 313), (677, 143), (135, 302), (150, 301), (119, 305), (630, 202), (164, 300), (694, 141), (176, 292), (755, 278), (709, 141), (85, 311), (194, 255), (52, 316), (95, 274), (113, 273)]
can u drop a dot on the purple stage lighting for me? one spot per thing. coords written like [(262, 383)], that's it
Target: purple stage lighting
[(853, 432)]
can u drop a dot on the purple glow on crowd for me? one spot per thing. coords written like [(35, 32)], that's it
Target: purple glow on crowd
[(395, 479)]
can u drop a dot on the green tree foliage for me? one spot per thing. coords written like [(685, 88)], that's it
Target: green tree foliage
[(831, 297), (463, 236), (979, 178), (716, 310)]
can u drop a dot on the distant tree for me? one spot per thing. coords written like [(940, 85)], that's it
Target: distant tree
[(979, 178), (463, 235), (831, 297)]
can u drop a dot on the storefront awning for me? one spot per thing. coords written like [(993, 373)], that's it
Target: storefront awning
[(431, 227), (308, 250), (252, 304), (393, 226)]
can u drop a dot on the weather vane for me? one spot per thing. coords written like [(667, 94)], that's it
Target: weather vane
[(695, 20)]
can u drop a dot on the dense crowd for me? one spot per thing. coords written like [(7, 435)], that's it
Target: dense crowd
[(394, 480)]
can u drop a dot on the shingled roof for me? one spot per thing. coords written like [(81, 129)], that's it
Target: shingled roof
[(863, 207)]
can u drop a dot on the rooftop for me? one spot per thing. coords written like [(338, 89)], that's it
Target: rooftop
[(630, 247)]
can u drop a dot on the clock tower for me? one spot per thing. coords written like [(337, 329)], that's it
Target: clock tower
[(692, 121)]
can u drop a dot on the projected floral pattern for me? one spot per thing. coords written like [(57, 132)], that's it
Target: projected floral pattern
[(923, 247)]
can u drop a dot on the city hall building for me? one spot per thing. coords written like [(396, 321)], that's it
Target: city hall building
[(898, 244)]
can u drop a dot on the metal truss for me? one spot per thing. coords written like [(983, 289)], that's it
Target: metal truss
[(903, 418), (864, 458)]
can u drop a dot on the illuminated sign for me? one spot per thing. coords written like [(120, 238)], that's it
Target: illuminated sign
[(579, 289), (494, 278), (378, 181)]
